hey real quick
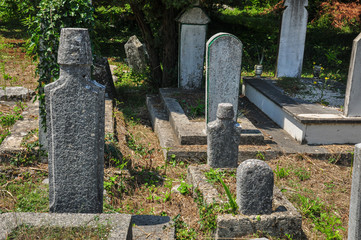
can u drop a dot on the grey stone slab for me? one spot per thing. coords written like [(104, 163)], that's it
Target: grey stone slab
[(103, 75), (254, 187), (120, 223), (16, 94), (352, 96), (354, 222), (223, 73), (193, 28), (292, 39), (136, 54), (75, 129), (223, 137), (152, 227)]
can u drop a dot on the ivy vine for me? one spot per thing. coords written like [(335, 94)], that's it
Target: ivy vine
[(53, 15)]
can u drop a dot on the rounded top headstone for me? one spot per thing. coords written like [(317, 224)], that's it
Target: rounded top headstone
[(74, 47), (225, 111), (254, 163)]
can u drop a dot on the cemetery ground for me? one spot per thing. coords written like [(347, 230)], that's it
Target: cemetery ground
[(139, 181)]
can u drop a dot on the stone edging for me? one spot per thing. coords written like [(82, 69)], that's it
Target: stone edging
[(285, 220), (120, 223)]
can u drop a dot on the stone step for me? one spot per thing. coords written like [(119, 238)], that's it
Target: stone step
[(194, 133), (306, 122)]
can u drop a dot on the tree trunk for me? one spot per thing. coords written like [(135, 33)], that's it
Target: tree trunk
[(149, 40), (170, 50)]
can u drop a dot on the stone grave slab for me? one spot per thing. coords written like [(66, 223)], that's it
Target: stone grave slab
[(223, 73), (305, 122), (16, 94)]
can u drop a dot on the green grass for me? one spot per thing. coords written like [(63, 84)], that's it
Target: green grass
[(26, 196), (322, 218), (27, 232)]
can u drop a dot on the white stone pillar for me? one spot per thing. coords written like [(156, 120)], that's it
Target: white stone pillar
[(292, 39), (192, 43), (353, 88)]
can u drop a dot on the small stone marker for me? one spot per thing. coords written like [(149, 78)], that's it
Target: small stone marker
[(75, 129), (354, 222), (223, 73), (223, 138), (136, 54), (292, 39), (353, 96), (193, 28), (254, 187)]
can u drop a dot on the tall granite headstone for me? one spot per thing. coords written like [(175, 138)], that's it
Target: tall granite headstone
[(136, 54), (223, 73), (292, 39), (353, 88), (354, 218), (193, 28), (254, 187), (223, 138), (75, 129)]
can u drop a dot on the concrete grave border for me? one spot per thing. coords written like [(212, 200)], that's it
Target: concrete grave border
[(306, 122), (194, 133), (120, 223), (286, 220), (193, 153), (123, 226)]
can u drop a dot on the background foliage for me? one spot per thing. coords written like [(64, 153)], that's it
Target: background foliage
[(333, 24), (45, 29)]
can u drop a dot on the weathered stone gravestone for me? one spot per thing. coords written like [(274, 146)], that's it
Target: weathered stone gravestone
[(193, 28), (102, 74), (292, 39), (75, 129), (354, 222), (353, 96), (223, 138), (136, 54), (254, 187), (223, 73)]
